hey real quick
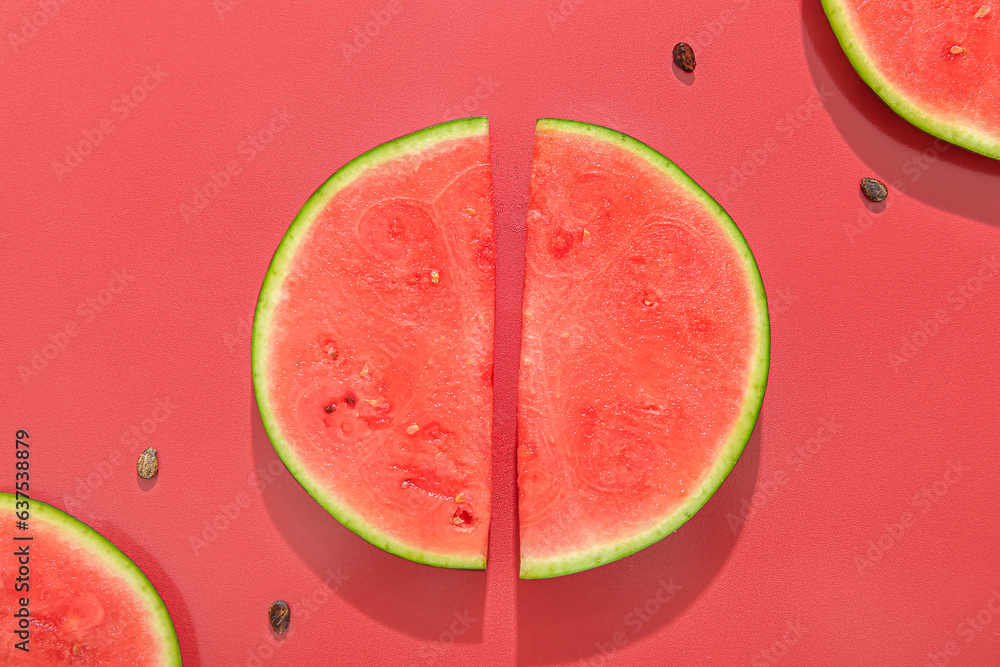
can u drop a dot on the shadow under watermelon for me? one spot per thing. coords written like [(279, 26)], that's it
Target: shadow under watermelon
[(429, 603), (177, 607), (900, 154), (588, 616)]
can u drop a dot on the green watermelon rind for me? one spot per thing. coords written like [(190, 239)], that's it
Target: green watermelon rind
[(270, 290), (113, 560), (757, 376), (852, 42)]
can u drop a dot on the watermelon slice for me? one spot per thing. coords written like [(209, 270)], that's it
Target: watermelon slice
[(935, 62), (373, 345), (644, 351), (88, 603)]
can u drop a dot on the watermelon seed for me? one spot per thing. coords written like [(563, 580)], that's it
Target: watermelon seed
[(460, 497), (649, 301), (983, 11), (411, 429), (435, 276), (77, 649), (330, 348), (278, 614), (364, 371), (586, 236), (684, 56), (874, 189), (349, 399), (148, 465), (461, 517), (331, 407), (957, 49)]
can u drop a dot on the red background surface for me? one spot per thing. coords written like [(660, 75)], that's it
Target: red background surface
[(838, 560)]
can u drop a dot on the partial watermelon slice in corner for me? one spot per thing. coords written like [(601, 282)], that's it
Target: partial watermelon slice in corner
[(645, 348), (373, 345), (89, 604), (935, 62)]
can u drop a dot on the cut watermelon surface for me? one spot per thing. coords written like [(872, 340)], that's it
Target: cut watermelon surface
[(645, 349), (935, 62), (88, 603), (373, 345)]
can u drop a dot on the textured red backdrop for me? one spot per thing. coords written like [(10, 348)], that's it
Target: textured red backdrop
[(140, 213)]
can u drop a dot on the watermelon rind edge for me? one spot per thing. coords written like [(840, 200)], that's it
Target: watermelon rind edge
[(283, 255), (114, 560), (971, 138), (756, 385)]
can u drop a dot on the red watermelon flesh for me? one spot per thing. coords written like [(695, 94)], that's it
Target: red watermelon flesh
[(89, 604), (373, 345), (644, 349), (935, 62)]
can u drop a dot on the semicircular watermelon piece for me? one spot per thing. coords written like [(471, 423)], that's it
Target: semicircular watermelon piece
[(373, 345), (645, 349), (89, 604), (935, 62)]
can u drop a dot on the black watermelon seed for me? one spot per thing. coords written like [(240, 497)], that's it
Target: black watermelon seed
[(874, 189), (684, 56), (331, 407), (278, 614)]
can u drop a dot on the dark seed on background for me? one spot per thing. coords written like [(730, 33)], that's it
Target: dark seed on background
[(684, 56), (278, 614), (874, 189), (148, 465), (331, 407)]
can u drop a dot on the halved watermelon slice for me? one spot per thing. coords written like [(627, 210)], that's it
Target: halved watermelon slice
[(645, 349), (88, 604), (373, 345), (935, 62)]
